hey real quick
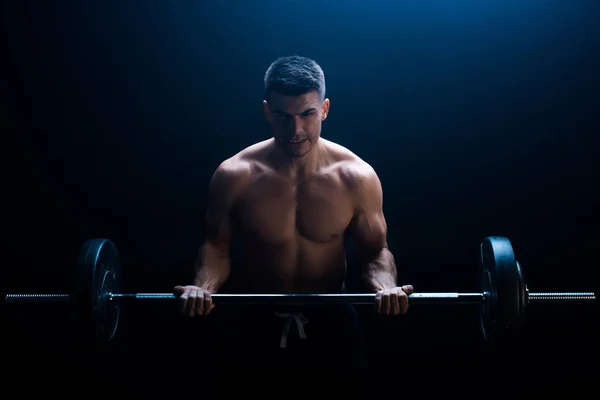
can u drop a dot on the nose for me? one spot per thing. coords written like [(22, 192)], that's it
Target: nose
[(297, 125)]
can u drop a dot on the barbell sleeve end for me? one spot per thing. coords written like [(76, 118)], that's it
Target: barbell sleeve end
[(561, 297), (37, 298)]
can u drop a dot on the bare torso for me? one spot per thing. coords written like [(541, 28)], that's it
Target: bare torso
[(292, 227)]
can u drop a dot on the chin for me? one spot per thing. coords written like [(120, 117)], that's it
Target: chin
[(301, 153), (298, 155), (293, 154)]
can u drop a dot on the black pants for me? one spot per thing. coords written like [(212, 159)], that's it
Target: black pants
[(302, 348)]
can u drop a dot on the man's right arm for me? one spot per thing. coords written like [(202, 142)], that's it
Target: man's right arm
[(213, 263)]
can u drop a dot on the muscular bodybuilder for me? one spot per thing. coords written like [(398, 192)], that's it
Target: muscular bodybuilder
[(292, 199)]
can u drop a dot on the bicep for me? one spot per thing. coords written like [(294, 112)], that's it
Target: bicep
[(218, 226), (370, 232), (369, 224), (222, 193)]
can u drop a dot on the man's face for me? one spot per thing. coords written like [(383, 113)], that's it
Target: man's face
[(296, 121)]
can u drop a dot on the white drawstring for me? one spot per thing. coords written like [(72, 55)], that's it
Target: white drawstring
[(300, 321)]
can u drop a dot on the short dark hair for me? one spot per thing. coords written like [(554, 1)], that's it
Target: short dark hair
[(294, 76)]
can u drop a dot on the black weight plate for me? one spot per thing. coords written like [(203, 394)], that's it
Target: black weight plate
[(486, 307), (523, 295), (502, 311), (97, 276)]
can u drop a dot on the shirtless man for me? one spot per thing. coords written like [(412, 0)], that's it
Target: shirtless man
[(292, 198)]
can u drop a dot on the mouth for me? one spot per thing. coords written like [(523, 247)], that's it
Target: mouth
[(296, 141)]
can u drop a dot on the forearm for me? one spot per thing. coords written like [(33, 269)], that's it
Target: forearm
[(212, 268), (379, 272)]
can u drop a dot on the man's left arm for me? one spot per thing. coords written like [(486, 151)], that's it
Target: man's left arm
[(377, 264)]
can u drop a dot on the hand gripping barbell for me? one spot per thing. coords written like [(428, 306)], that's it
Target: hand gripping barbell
[(95, 300)]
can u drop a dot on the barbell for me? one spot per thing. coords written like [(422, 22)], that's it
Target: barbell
[(95, 299)]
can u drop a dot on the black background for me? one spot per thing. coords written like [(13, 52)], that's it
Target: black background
[(479, 117)]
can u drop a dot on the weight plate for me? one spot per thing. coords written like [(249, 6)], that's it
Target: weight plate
[(97, 276), (523, 296), (502, 282), (486, 306)]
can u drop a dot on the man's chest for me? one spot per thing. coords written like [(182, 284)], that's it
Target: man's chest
[(276, 210)]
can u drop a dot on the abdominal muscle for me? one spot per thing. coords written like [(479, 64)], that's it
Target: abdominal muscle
[(294, 266)]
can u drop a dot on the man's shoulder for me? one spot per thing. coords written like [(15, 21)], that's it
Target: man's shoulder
[(351, 165), (359, 177), (240, 164), (249, 154)]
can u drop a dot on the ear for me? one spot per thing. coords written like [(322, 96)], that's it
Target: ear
[(325, 109), (266, 110)]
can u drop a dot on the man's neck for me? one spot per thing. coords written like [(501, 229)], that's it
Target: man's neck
[(298, 167)]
